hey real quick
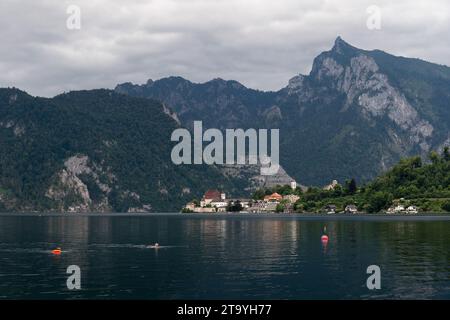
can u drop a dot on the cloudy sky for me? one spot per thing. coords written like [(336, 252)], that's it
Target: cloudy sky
[(260, 43)]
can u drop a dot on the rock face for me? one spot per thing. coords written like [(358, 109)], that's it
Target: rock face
[(365, 86), (219, 103), (72, 183), (355, 115)]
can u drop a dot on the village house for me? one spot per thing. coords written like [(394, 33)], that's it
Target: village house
[(274, 197), (205, 209), (402, 209), (330, 208), (212, 201), (216, 201), (271, 206), (412, 209), (351, 208), (257, 206), (212, 196), (262, 206), (221, 204), (396, 209), (190, 206)]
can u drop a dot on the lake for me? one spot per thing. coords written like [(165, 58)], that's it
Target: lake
[(223, 257)]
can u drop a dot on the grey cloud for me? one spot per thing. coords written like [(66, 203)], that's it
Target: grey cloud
[(259, 43)]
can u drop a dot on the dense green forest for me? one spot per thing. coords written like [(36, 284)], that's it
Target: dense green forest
[(410, 182), (93, 151)]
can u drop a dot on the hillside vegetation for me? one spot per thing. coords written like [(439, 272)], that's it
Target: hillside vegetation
[(93, 151), (410, 182)]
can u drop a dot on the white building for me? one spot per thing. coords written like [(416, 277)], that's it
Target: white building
[(293, 185), (219, 204), (412, 209), (396, 209), (351, 208)]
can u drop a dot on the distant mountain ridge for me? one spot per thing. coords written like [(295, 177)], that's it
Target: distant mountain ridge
[(355, 115)]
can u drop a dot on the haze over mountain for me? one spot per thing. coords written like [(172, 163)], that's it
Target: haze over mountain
[(355, 115)]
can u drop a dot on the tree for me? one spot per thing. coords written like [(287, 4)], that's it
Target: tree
[(234, 206), (280, 207), (446, 206), (259, 194), (378, 201), (337, 191), (298, 206), (351, 186), (416, 162), (446, 154), (434, 157)]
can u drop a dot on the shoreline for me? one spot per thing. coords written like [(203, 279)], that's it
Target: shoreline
[(293, 216)]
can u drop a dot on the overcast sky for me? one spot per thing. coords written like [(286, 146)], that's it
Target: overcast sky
[(260, 43)]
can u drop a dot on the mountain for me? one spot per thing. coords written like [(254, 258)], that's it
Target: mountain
[(356, 114), (94, 151)]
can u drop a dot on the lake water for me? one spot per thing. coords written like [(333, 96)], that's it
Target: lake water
[(223, 257)]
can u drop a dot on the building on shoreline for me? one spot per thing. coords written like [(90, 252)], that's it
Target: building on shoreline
[(216, 201), (274, 197), (402, 209), (330, 208), (351, 208)]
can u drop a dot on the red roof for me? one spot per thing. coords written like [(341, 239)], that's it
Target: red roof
[(212, 194), (273, 196)]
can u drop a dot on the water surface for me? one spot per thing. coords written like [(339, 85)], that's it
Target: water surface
[(223, 257)]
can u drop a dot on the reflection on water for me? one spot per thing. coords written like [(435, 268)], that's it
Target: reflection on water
[(230, 257)]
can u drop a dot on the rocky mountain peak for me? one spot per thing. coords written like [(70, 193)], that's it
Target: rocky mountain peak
[(220, 83), (342, 47), (367, 90), (296, 83), (333, 63), (365, 101)]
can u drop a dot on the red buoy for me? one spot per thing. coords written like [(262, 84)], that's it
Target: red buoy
[(324, 238)]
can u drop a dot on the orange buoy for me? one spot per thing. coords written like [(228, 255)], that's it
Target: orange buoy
[(57, 251)]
